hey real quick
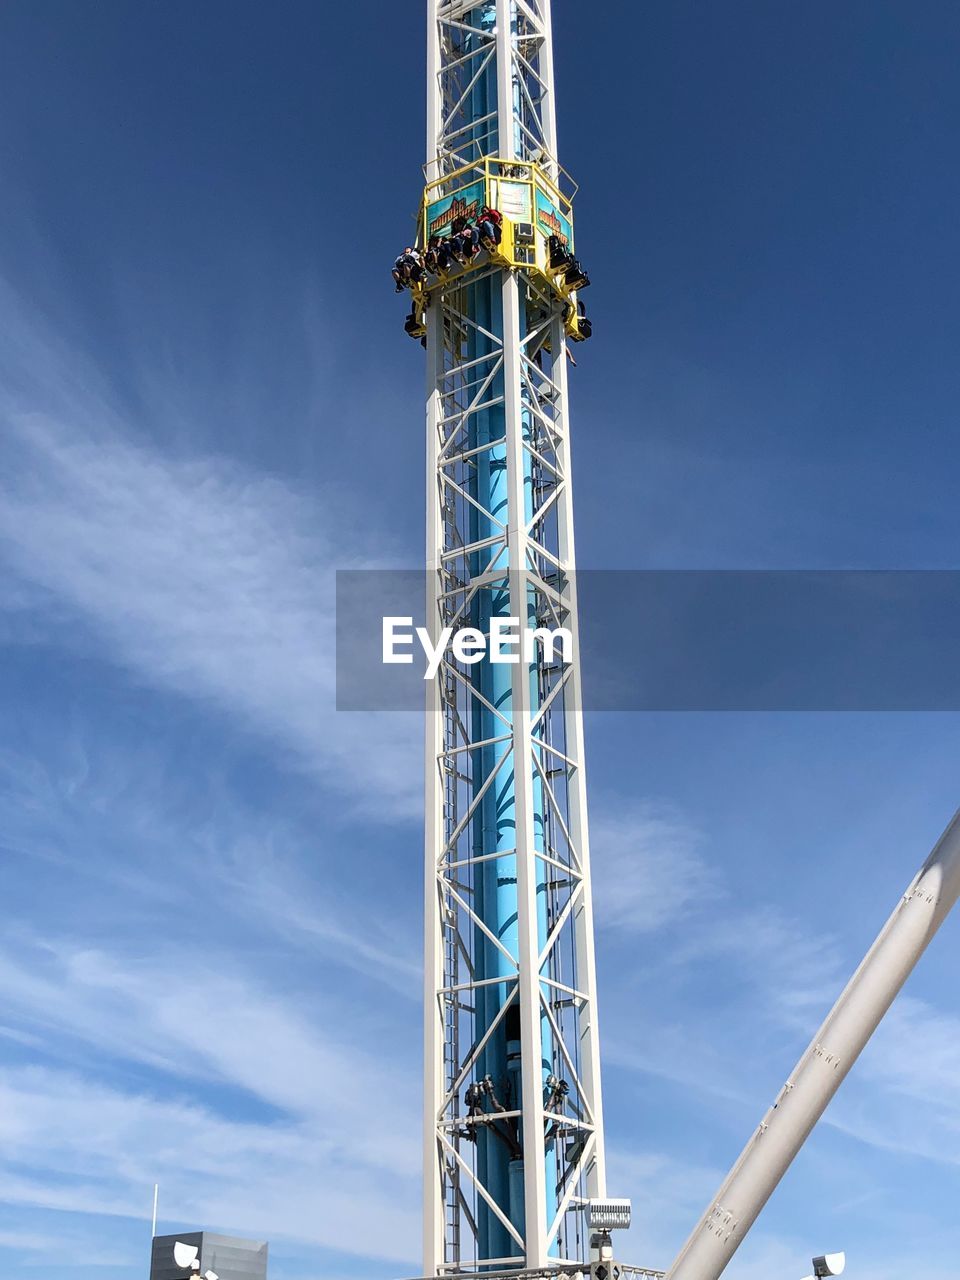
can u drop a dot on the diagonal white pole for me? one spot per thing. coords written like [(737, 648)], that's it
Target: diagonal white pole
[(821, 1070)]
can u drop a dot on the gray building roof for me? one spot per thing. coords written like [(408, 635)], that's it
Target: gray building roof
[(230, 1257)]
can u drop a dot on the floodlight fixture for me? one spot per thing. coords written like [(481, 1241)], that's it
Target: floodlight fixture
[(608, 1215), (185, 1256), (829, 1264)]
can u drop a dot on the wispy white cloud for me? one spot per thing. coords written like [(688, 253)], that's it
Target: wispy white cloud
[(770, 958), (655, 876), (905, 1095), (195, 574), (124, 830), (203, 580), (667, 1195), (929, 1076), (250, 1087), (650, 871), (26, 1241), (653, 872), (66, 1244), (756, 975), (72, 1146), (192, 1014), (337, 1142)]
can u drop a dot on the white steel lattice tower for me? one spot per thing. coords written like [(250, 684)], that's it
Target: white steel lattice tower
[(513, 1121)]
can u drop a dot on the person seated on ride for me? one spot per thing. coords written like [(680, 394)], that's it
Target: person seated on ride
[(465, 241), (471, 240), (491, 227), (444, 254), (437, 258), (408, 269)]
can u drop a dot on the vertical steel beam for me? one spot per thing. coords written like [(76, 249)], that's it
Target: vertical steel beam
[(434, 906), (505, 80), (549, 112), (577, 803), (434, 123), (433, 807), (530, 942)]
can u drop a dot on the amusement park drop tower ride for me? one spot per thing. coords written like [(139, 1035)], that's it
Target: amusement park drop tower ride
[(513, 1122)]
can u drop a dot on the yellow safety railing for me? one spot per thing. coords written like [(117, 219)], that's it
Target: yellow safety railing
[(493, 172), (484, 165)]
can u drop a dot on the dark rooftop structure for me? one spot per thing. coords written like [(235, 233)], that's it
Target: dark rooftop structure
[(227, 1256)]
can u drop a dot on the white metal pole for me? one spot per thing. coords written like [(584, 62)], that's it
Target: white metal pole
[(505, 113), (820, 1071), (434, 1011), (432, 168), (577, 815), (434, 1215), (549, 108), (156, 1195)]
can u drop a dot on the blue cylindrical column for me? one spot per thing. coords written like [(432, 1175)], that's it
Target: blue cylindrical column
[(499, 1163)]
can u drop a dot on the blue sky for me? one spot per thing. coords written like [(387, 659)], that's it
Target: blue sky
[(211, 881)]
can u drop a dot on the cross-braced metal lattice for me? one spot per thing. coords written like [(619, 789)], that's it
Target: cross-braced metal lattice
[(472, 43), (513, 1127)]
